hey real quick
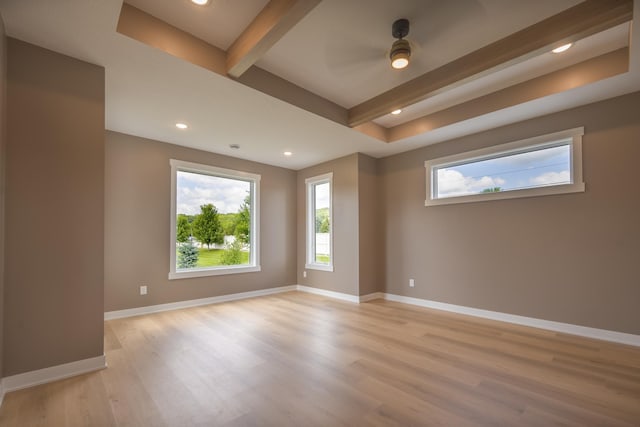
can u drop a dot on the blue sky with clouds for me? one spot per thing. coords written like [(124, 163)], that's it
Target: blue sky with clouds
[(549, 166), (194, 190)]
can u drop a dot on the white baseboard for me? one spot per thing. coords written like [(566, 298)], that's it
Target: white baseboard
[(139, 311), (330, 294), (371, 297), (568, 328), (53, 373), (584, 331)]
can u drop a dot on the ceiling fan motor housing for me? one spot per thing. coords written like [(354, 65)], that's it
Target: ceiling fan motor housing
[(400, 28), (401, 49)]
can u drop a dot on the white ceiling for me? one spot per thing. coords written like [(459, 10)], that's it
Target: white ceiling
[(590, 47), (148, 91), (340, 50), (218, 23)]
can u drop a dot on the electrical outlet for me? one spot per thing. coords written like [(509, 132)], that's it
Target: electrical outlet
[(304, 273), (412, 283), (143, 290)]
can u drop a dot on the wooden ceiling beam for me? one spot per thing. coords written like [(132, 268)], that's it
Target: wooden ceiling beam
[(269, 26), (592, 70), (582, 20), (148, 29)]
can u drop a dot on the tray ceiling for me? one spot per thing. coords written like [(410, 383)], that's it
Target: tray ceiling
[(308, 66)]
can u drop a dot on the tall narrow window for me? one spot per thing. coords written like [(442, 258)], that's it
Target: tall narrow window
[(319, 223), (214, 221)]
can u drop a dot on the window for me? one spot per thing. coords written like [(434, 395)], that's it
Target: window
[(214, 221), (543, 165), (319, 223)]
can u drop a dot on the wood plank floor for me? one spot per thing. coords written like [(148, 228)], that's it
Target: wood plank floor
[(297, 359)]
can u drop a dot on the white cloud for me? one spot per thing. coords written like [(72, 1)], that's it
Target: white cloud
[(195, 190), (453, 183), (550, 178), (322, 196)]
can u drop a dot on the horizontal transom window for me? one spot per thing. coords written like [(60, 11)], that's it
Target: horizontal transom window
[(543, 165)]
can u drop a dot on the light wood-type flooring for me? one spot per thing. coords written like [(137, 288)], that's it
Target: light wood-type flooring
[(296, 359)]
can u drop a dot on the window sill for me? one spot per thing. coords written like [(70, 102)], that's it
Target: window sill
[(514, 194), (321, 267), (212, 272)]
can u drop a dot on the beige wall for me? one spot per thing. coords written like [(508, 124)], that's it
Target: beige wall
[(371, 243), (54, 209), (137, 225), (569, 258), (3, 112), (344, 277)]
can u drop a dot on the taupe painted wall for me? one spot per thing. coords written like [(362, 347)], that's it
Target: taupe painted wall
[(3, 112), (568, 258), (137, 225), (344, 277), (54, 209), (371, 244)]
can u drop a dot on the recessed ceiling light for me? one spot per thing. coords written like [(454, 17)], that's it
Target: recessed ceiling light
[(234, 146), (396, 112), (200, 2), (181, 125), (288, 153), (562, 48)]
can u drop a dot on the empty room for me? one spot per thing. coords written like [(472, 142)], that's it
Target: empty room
[(319, 213)]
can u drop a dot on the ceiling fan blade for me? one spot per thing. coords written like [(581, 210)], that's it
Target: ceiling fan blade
[(342, 58)]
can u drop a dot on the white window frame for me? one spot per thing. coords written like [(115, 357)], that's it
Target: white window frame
[(572, 137), (254, 180), (311, 221)]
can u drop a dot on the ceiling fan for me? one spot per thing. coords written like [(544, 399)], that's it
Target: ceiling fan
[(362, 53), (401, 49), (364, 49)]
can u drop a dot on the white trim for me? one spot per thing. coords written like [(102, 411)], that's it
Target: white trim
[(330, 294), (254, 181), (371, 297), (140, 311), (584, 331), (1, 393), (53, 373), (321, 267), (311, 221), (213, 170), (567, 328), (572, 137), (202, 272), (511, 194)]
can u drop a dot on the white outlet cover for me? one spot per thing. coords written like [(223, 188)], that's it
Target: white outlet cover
[(143, 290)]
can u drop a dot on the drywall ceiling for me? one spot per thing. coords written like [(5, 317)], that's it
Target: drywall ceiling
[(340, 51), (598, 44), (218, 23), (148, 90)]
